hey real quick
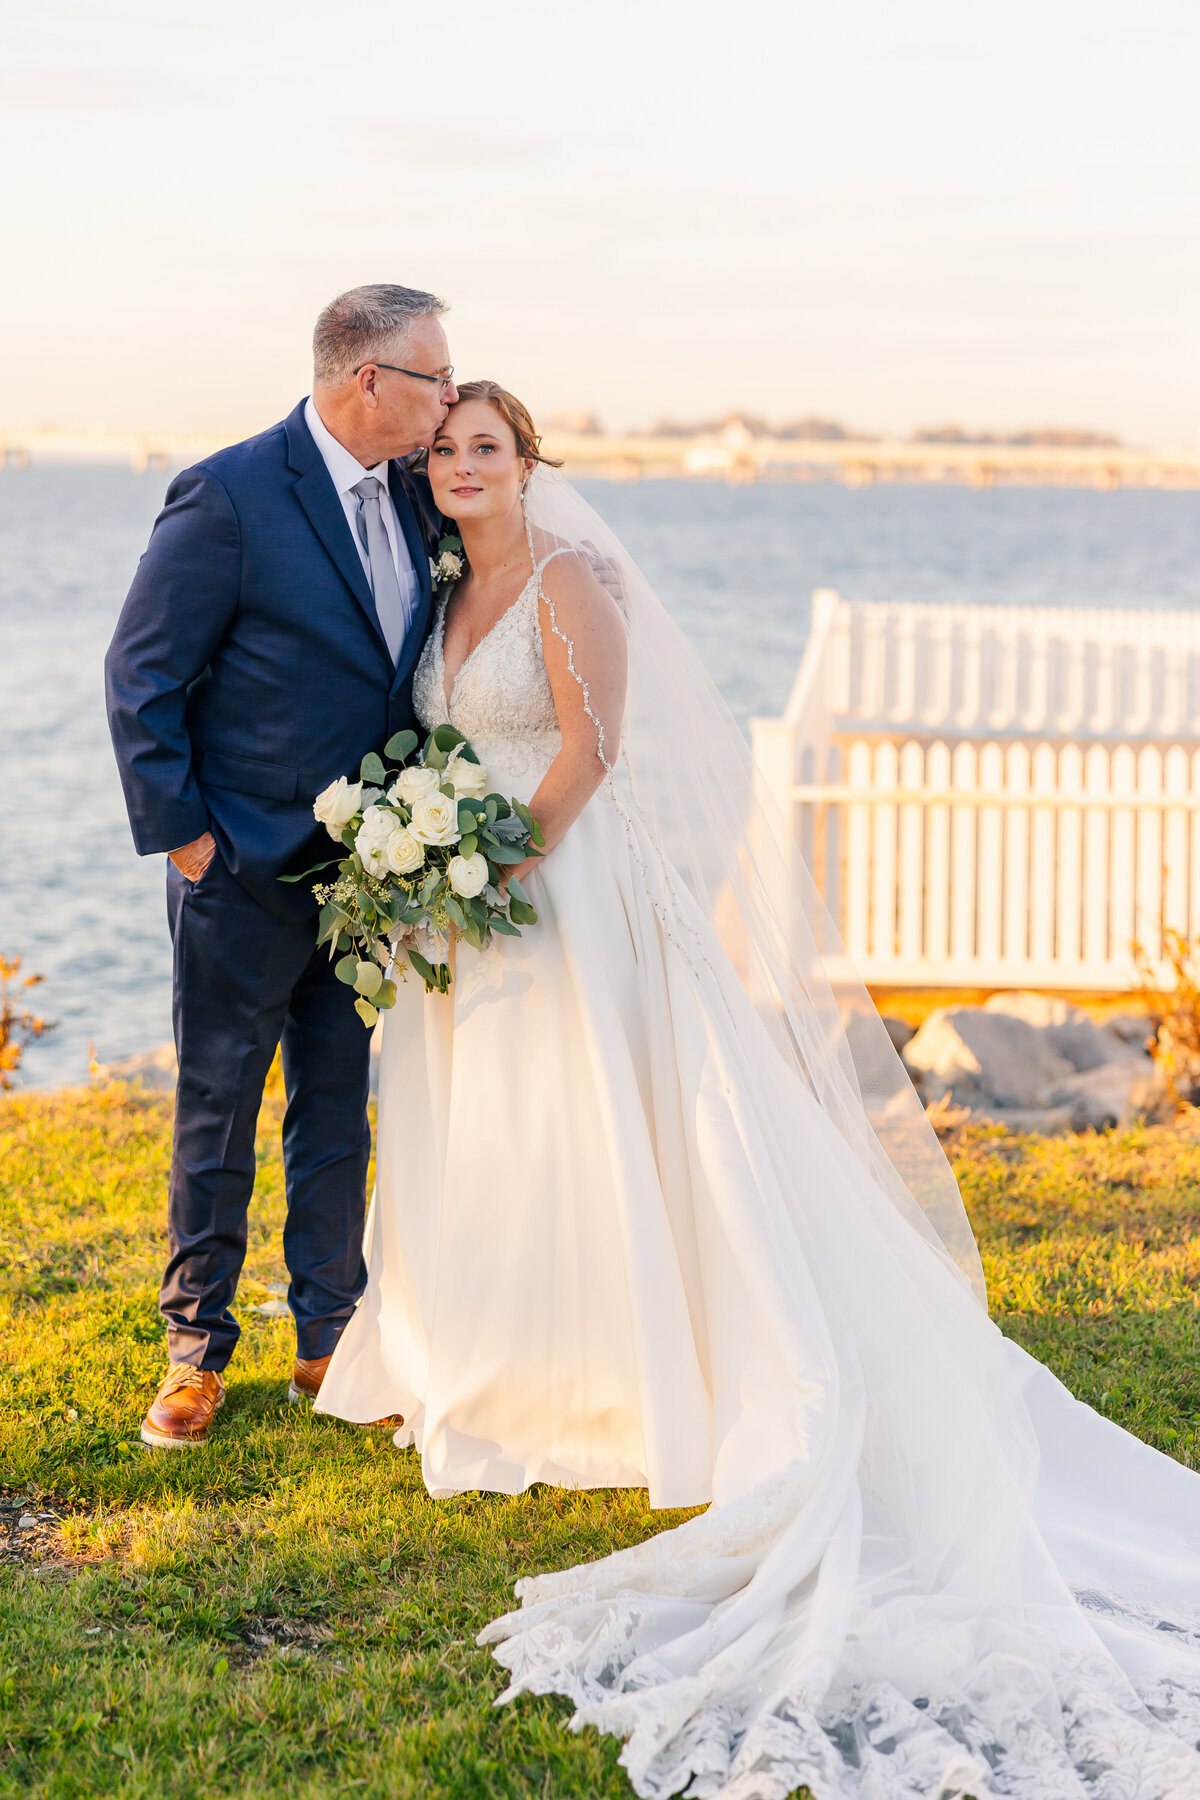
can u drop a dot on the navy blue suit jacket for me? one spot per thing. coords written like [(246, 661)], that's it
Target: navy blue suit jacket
[(248, 668)]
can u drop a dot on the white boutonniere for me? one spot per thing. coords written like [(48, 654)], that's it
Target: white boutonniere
[(449, 564)]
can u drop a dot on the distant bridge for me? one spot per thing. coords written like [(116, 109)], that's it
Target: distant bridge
[(736, 456), (732, 455)]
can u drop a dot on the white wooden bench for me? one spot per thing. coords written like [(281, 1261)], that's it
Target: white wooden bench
[(994, 796)]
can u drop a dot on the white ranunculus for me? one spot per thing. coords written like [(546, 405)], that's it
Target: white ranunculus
[(468, 779), (374, 855), (404, 852), (468, 875), (435, 820), (378, 828), (379, 821), (336, 805), (413, 785)]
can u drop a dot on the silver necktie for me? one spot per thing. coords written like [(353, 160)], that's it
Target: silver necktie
[(390, 604)]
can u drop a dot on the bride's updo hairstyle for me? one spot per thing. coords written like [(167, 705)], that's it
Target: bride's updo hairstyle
[(515, 416)]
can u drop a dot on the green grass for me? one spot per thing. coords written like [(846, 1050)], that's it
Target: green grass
[(286, 1612)]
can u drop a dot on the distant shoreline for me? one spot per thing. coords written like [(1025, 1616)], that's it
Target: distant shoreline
[(733, 455)]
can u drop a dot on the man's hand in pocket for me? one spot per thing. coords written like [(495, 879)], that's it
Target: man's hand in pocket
[(192, 859)]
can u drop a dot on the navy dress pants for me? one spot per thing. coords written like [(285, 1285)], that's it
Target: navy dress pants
[(245, 982)]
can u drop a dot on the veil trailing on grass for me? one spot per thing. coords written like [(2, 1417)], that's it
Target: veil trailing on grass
[(685, 768)]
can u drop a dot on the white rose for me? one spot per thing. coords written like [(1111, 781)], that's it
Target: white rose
[(435, 820), (469, 779), (451, 565), (336, 805), (403, 852), (413, 785), (468, 875)]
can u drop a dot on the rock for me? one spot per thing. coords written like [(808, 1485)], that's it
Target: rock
[(272, 1309), (1100, 1097), (986, 1058), (1133, 1029), (899, 1030), (1150, 1101), (159, 1068), (26, 1522), (152, 1069), (1040, 1121), (1067, 1028)]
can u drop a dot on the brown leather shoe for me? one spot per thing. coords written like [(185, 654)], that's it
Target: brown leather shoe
[(305, 1385), (307, 1377), (187, 1402)]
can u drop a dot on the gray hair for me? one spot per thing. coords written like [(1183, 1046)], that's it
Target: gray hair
[(364, 324)]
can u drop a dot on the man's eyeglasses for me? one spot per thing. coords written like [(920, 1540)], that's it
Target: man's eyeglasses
[(443, 381)]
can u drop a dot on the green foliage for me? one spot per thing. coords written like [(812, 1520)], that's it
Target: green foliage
[(400, 747)]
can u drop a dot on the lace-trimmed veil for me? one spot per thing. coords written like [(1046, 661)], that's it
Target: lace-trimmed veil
[(684, 766)]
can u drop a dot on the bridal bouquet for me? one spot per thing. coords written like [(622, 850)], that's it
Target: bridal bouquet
[(427, 848)]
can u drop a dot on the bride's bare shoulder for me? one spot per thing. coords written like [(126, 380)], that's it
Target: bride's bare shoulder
[(579, 577)]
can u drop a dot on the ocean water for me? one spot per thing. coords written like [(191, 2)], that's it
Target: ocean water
[(735, 565)]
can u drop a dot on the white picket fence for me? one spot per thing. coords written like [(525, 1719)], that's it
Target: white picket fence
[(994, 796)]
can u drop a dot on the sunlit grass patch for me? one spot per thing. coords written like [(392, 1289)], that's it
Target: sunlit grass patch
[(286, 1612)]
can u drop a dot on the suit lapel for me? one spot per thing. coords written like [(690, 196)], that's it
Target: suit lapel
[(413, 525), (317, 495)]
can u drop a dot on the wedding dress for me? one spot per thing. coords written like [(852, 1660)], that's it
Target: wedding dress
[(628, 1232)]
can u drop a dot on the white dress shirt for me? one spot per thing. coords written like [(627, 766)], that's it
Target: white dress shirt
[(345, 471)]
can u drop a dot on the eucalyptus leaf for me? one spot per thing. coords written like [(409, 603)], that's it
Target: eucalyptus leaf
[(368, 979), (517, 891), (447, 738), (521, 913), (315, 870), (505, 853), (386, 996), (506, 929), (468, 844), (366, 1013), (423, 969), (401, 746), (455, 912), (347, 970), (371, 769)]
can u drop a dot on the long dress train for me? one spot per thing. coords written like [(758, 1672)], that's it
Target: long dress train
[(616, 1241)]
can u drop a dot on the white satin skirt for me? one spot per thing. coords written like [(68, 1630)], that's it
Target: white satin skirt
[(616, 1242)]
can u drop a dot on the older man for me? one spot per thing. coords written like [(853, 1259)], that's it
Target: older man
[(267, 643)]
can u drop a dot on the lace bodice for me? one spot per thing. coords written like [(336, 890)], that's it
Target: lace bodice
[(501, 699)]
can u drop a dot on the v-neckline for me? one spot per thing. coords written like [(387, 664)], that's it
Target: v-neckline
[(448, 699)]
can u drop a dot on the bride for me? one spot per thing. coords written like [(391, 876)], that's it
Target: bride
[(648, 1214)]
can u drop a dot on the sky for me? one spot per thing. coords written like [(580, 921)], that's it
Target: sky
[(893, 215)]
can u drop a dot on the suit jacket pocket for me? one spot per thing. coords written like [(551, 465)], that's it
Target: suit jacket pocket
[(245, 775)]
